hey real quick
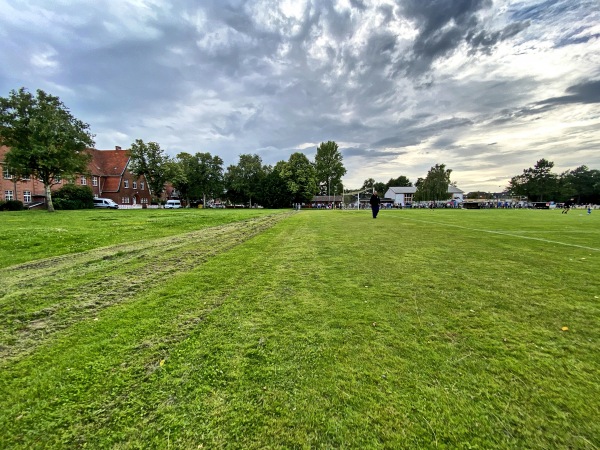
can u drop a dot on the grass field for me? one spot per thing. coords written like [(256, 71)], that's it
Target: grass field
[(317, 329)]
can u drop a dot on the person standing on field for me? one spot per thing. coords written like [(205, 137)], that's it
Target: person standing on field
[(375, 201)]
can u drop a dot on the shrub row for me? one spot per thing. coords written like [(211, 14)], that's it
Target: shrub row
[(11, 205)]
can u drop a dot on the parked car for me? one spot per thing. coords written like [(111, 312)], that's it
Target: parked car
[(105, 203), (173, 204)]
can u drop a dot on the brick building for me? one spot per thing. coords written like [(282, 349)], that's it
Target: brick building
[(108, 176)]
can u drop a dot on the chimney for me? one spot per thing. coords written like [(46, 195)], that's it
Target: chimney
[(117, 147)]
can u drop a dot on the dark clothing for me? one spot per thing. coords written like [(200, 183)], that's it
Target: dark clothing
[(375, 201), (568, 206)]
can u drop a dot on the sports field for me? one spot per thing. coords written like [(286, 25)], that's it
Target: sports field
[(257, 329)]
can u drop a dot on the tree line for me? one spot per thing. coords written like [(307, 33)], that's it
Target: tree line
[(201, 176), (540, 183), (48, 142)]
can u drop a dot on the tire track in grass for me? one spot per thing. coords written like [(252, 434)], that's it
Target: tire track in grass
[(40, 298)]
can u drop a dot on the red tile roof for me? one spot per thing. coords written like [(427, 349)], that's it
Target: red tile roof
[(108, 162), (111, 184)]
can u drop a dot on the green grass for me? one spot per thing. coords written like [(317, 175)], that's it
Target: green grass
[(321, 329), (30, 235)]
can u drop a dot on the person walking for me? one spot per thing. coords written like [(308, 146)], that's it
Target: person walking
[(375, 201), (568, 206)]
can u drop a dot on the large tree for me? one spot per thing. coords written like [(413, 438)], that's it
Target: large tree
[(210, 180), (538, 183), (274, 191), (197, 176), (179, 175), (243, 180), (381, 188), (401, 181), (150, 161), (368, 184), (581, 183), (329, 167), (45, 140), (301, 178), (435, 185)]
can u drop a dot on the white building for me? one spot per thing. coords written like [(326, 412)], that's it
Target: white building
[(404, 195)]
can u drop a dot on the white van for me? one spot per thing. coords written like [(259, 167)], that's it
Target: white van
[(105, 203), (172, 204)]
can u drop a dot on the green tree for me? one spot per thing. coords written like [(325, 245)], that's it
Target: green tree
[(301, 178), (274, 189), (435, 185), (209, 181), (381, 188), (150, 161), (368, 184), (401, 181), (45, 140), (243, 180), (179, 174), (537, 183), (581, 183), (329, 167)]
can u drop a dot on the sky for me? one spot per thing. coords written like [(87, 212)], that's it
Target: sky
[(486, 87)]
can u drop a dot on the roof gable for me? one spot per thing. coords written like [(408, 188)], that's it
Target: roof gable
[(109, 162), (403, 190)]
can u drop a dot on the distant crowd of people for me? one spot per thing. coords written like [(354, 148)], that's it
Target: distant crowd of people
[(447, 204)]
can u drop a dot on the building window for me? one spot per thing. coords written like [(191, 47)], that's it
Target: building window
[(141, 185), (6, 174), (26, 178), (408, 198), (8, 195), (57, 179), (134, 185), (125, 200), (83, 181), (94, 181), (126, 183), (27, 196)]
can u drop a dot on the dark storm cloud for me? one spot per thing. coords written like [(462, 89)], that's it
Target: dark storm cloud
[(583, 93), (441, 24), (444, 26), (587, 92)]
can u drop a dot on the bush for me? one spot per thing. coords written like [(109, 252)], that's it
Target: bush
[(64, 204), (11, 205), (71, 196)]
